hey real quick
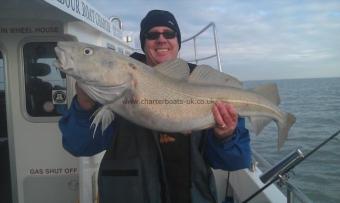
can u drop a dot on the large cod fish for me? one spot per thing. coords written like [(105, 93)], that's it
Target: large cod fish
[(165, 97)]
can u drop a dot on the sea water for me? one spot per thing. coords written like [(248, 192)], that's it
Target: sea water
[(316, 105)]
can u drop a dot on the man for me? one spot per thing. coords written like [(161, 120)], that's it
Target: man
[(141, 165)]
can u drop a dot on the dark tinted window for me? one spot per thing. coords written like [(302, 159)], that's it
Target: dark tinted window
[(45, 86)]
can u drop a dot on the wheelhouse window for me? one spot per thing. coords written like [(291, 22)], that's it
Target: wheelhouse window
[(45, 85)]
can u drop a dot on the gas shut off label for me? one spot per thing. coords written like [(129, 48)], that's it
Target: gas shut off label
[(53, 171)]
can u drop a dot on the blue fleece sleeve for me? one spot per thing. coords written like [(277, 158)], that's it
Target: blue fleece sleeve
[(77, 135), (230, 154)]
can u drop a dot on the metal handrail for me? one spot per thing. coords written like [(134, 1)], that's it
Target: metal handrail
[(217, 52), (292, 191), (120, 23)]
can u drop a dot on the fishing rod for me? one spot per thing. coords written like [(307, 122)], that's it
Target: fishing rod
[(280, 170)]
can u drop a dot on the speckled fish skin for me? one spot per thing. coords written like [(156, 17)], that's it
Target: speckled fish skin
[(151, 99)]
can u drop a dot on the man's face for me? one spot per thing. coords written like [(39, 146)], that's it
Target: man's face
[(160, 49)]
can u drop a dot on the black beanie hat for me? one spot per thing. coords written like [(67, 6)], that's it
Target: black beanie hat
[(158, 18)]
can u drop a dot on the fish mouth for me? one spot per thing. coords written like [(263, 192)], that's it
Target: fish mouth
[(61, 59), (62, 62)]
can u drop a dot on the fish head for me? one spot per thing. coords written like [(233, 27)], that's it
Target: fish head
[(91, 64)]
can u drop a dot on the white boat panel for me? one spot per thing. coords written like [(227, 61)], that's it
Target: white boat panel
[(243, 184)]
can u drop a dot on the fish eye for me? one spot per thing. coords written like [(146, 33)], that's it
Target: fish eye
[(88, 51)]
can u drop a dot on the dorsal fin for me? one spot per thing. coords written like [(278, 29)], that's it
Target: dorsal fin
[(269, 91), (177, 69), (204, 74)]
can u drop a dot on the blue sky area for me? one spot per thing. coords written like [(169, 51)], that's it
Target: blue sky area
[(257, 39)]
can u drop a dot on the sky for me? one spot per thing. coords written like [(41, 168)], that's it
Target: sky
[(258, 40)]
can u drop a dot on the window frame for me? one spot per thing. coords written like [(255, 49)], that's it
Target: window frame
[(5, 74), (22, 82)]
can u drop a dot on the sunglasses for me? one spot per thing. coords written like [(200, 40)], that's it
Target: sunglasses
[(156, 35)]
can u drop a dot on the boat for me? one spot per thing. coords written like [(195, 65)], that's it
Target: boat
[(33, 94)]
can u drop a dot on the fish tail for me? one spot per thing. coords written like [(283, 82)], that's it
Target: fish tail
[(283, 128)]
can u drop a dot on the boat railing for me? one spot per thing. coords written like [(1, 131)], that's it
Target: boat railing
[(216, 47), (293, 194), (117, 19)]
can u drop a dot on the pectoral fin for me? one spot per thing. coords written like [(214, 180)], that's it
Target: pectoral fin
[(103, 116)]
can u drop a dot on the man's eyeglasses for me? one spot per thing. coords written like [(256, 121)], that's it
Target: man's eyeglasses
[(156, 35)]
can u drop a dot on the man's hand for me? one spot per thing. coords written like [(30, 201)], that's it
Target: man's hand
[(226, 117), (83, 99)]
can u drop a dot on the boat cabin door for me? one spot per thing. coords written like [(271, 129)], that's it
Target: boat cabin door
[(34, 167)]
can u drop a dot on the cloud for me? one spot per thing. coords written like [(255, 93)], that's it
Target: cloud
[(257, 39)]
